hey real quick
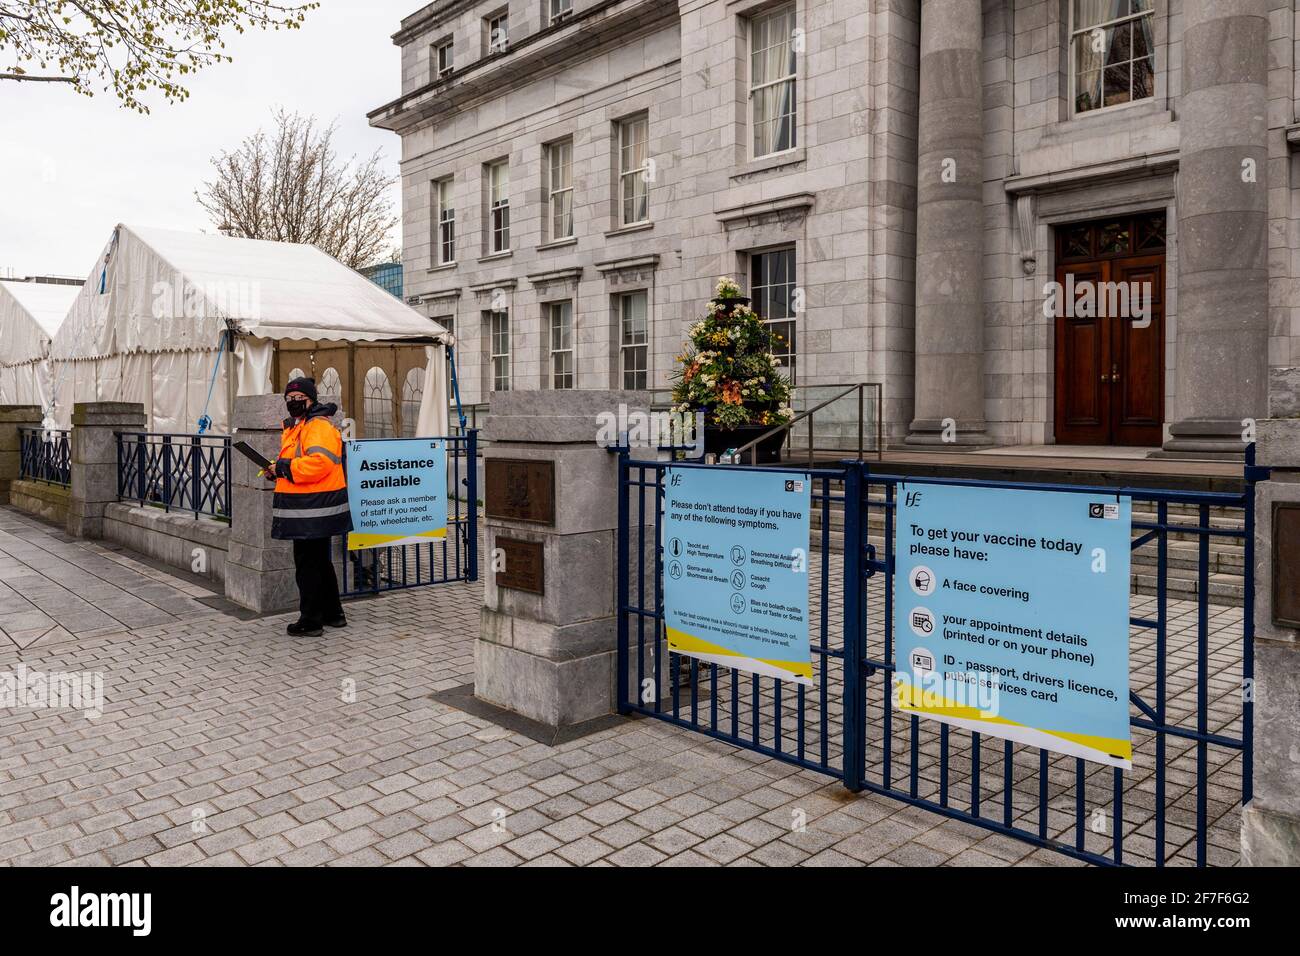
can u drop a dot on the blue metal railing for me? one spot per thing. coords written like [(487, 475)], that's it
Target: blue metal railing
[(45, 455), (845, 726), (175, 472), (454, 558)]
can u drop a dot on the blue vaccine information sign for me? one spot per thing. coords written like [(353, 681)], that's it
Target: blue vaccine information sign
[(735, 569), (1011, 615), (397, 490)]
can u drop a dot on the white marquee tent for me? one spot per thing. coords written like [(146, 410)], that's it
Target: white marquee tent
[(30, 315), (151, 321)]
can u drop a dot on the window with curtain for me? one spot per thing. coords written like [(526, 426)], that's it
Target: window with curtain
[(633, 155), (498, 174), (561, 314), (1112, 52), (772, 285), (446, 223), (633, 339), (499, 350), (412, 393), (559, 183), (378, 404), (772, 81)]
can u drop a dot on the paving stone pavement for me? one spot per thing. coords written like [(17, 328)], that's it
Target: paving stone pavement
[(225, 742), (54, 588)]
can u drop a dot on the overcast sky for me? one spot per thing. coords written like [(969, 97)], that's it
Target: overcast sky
[(72, 167)]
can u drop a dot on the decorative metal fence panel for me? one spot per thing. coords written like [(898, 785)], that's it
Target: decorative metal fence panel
[(45, 455), (175, 472), (454, 558), (1191, 672)]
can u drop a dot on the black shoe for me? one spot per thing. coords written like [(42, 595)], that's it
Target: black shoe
[(304, 629), (340, 621)]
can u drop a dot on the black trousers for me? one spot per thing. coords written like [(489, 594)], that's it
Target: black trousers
[(318, 585)]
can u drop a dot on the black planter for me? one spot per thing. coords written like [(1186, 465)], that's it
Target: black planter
[(720, 440)]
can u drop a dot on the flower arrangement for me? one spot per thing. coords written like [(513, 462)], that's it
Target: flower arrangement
[(727, 368)]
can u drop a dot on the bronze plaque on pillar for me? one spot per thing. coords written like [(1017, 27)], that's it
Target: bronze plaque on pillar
[(1286, 564), (520, 490), (525, 565)]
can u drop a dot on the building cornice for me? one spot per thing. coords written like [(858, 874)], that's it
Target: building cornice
[(430, 15), (481, 287), (607, 266), (1131, 167), (794, 204), (552, 276), (575, 38), (441, 294)]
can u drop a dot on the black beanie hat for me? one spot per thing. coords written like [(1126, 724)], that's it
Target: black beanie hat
[(305, 385)]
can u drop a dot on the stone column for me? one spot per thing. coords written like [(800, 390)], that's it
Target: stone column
[(1221, 370), (12, 419), (93, 446), (550, 656), (950, 228), (1270, 823), (259, 569)]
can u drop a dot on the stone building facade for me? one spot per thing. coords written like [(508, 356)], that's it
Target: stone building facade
[(896, 182)]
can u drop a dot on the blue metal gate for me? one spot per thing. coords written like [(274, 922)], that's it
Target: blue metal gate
[(1191, 677), (454, 558)]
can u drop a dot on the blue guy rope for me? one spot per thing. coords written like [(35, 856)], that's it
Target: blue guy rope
[(205, 420), (455, 386)]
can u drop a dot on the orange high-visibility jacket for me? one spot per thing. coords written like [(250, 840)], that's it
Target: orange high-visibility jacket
[(314, 502)]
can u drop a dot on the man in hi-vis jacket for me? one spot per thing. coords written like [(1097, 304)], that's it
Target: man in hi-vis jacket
[(311, 504)]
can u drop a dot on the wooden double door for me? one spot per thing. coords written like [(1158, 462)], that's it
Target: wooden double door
[(1110, 332)]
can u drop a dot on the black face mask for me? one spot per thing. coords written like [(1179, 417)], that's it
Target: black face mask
[(297, 407)]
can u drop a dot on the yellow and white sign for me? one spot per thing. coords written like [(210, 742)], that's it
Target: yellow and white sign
[(397, 491)]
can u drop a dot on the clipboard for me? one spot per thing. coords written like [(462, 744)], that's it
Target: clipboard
[(252, 454)]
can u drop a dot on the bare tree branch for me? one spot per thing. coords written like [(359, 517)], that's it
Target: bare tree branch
[(129, 47), (290, 186)]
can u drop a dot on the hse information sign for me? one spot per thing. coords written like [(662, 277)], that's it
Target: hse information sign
[(1011, 615), (735, 569), (397, 491)]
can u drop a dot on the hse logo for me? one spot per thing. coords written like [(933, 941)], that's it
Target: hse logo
[(133, 910)]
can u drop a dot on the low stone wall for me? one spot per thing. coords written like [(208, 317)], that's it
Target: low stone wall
[(41, 499), (171, 537)]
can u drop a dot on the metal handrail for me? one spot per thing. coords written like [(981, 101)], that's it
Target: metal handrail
[(752, 446)]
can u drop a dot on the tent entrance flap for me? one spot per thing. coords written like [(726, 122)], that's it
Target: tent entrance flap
[(384, 389)]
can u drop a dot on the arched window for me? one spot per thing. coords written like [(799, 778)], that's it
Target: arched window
[(296, 373), (378, 404), (330, 388), (412, 393)]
